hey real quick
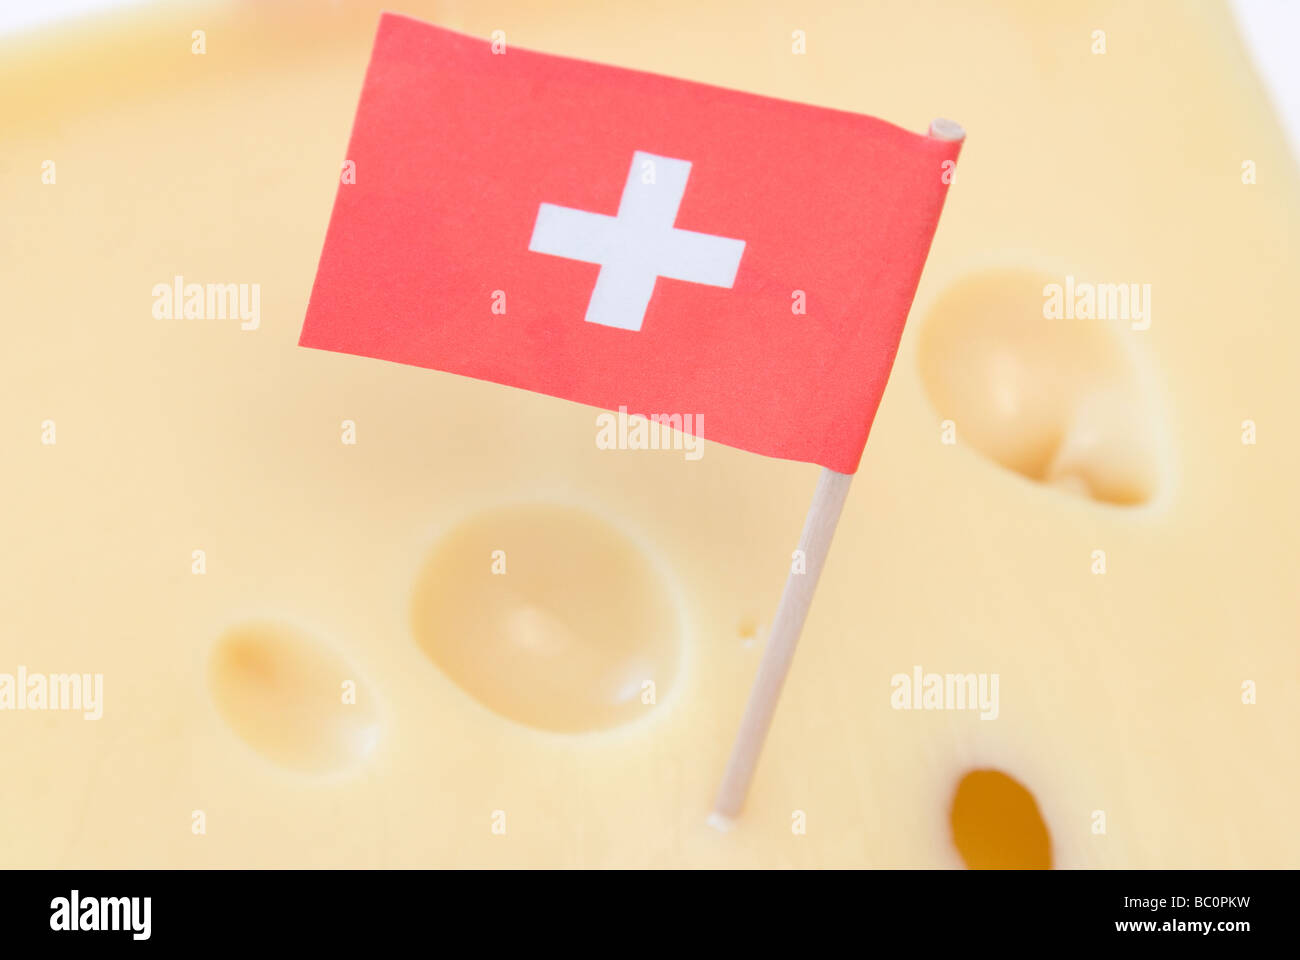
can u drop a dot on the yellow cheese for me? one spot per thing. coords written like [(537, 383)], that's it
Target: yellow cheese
[(307, 656)]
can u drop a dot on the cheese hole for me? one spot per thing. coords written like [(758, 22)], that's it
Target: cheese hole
[(996, 824), (1055, 400), (287, 696), (549, 616)]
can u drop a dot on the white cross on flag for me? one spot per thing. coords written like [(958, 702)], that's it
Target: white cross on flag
[(639, 244)]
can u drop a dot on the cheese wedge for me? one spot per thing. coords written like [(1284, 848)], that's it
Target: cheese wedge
[(348, 613)]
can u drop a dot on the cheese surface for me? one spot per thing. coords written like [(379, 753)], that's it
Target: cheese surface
[(284, 563)]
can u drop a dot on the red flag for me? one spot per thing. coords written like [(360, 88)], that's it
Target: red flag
[(655, 244)]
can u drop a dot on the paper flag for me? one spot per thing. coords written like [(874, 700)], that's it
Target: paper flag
[(623, 239)]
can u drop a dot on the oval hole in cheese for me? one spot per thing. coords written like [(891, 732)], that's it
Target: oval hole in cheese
[(549, 616), (1057, 399), (996, 824), (291, 698)]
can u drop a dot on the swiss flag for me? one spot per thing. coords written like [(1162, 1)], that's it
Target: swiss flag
[(649, 243)]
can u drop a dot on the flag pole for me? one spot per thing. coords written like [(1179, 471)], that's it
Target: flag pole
[(815, 542)]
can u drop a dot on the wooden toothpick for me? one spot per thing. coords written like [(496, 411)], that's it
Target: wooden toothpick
[(815, 542)]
